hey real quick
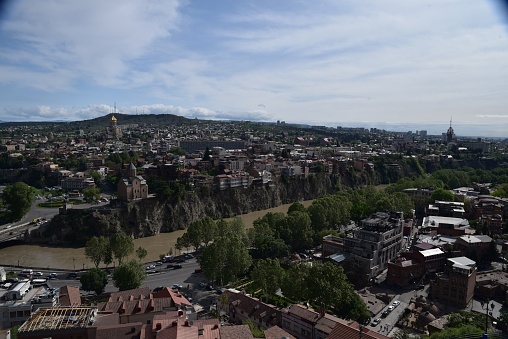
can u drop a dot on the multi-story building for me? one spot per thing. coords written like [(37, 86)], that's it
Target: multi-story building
[(378, 241), (455, 286), (410, 267), (447, 209)]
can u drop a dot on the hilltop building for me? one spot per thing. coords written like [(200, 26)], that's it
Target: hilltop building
[(132, 186)]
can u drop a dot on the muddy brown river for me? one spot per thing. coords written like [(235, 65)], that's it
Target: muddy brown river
[(74, 258)]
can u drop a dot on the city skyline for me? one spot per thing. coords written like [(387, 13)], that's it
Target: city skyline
[(349, 63)]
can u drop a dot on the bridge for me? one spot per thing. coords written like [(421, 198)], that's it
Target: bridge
[(16, 232)]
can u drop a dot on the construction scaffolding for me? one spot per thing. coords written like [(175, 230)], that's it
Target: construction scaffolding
[(59, 318)]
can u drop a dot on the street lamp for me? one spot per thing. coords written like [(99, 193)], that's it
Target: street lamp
[(485, 305)]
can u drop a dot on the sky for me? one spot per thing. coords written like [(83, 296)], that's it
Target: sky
[(348, 62)]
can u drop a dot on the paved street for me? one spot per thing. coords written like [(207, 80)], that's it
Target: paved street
[(184, 276)]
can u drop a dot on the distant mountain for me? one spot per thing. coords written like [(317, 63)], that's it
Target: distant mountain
[(123, 119)]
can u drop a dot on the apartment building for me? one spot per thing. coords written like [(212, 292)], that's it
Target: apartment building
[(455, 286), (378, 241)]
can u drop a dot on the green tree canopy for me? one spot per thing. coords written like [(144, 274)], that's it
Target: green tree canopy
[(225, 259), (268, 275), (91, 194), (97, 250), (141, 252), (95, 280), (18, 199), (129, 275), (121, 246), (442, 195)]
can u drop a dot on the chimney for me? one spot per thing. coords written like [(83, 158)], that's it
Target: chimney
[(187, 323), (174, 323), (151, 305), (158, 327), (216, 326), (180, 313)]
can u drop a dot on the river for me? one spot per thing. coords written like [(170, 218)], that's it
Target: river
[(74, 258)]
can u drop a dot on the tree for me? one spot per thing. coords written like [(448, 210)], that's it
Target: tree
[(129, 275), (442, 195), (293, 285), (96, 176), (268, 275), (206, 156), (121, 246), (141, 253), (18, 199), (177, 150), (91, 194), (296, 206), (225, 259), (301, 233), (97, 249), (95, 280)]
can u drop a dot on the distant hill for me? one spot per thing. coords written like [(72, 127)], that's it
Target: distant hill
[(142, 119), (101, 122)]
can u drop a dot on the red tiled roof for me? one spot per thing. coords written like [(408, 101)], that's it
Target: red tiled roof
[(275, 332), (69, 296), (177, 297), (308, 315), (139, 306), (130, 330), (131, 294), (236, 332), (254, 308), (345, 329)]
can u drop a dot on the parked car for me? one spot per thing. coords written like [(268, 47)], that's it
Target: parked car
[(396, 303), (385, 313), (375, 322), (158, 263), (157, 289), (176, 286), (390, 308), (72, 275), (38, 274), (177, 266), (52, 275)]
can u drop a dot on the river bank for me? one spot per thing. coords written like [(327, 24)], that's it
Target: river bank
[(74, 258)]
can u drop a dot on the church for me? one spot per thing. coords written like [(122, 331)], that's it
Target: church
[(132, 186)]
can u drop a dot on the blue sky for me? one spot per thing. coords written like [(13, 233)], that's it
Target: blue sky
[(319, 62)]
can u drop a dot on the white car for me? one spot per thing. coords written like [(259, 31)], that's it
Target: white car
[(375, 322), (38, 274), (396, 303)]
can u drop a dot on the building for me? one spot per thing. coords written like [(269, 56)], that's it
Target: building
[(410, 267), (132, 186), (241, 307), (19, 301), (446, 225), (452, 209), (378, 241), (474, 246), (455, 286), (299, 321)]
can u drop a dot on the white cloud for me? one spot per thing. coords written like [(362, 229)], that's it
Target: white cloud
[(349, 60), (93, 39)]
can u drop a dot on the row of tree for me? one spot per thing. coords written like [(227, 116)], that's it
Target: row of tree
[(127, 275), (323, 284)]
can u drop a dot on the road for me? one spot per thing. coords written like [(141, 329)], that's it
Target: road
[(14, 230), (194, 285)]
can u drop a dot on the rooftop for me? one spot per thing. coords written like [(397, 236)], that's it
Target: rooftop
[(59, 318)]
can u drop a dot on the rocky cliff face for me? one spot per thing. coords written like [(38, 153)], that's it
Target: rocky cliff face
[(151, 216)]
